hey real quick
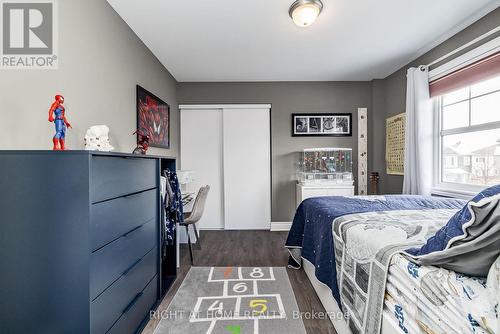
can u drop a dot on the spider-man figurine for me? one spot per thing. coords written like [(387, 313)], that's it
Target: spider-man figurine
[(57, 115), (142, 143)]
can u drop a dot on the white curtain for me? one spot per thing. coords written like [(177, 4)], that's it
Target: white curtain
[(419, 130)]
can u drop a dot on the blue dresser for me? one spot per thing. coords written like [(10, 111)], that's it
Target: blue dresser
[(80, 241)]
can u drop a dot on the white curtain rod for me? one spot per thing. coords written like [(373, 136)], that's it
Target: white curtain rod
[(465, 46)]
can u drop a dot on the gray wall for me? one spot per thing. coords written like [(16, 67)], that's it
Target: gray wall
[(101, 61), (287, 98), (389, 95), (383, 97)]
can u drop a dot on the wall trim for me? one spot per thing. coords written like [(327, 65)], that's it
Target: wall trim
[(224, 106), (280, 226), (453, 193)]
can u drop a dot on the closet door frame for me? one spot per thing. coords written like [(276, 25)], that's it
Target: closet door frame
[(221, 107)]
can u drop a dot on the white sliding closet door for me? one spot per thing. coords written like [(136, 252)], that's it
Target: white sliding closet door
[(201, 152), (247, 168)]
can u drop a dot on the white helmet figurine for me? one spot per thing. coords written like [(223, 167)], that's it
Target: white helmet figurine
[(97, 139)]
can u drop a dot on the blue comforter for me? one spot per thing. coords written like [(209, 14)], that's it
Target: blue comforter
[(312, 226)]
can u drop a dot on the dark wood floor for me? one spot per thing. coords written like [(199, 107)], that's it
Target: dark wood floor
[(249, 249)]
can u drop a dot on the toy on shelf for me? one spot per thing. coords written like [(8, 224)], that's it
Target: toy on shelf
[(142, 143), (57, 114), (97, 139)]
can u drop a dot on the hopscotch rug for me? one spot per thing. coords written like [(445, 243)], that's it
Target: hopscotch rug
[(233, 300)]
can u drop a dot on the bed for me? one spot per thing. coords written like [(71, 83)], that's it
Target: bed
[(350, 247)]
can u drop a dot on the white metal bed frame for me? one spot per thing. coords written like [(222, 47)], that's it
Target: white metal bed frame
[(324, 293)]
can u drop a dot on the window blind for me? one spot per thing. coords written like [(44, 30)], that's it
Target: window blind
[(473, 73)]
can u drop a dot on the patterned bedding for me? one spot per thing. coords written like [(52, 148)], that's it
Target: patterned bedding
[(364, 244), (427, 299)]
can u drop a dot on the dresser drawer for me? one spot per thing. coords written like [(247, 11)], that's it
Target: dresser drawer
[(137, 310), (314, 192), (108, 307), (341, 191), (110, 262), (117, 176), (111, 219)]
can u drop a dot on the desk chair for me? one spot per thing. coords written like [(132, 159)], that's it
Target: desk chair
[(194, 216)]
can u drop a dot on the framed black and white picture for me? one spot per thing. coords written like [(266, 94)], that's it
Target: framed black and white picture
[(335, 125)]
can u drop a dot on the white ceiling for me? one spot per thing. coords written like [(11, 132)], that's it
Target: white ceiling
[(255, 40)]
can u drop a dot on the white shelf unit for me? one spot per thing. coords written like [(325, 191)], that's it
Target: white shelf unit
[(308, 191)]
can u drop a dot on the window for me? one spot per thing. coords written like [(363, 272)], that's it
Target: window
[(468, 137)]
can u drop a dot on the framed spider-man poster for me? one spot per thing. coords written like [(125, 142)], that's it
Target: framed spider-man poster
[(153, 119)]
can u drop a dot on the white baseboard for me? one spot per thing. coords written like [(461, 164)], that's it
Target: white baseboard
[(280, 226)]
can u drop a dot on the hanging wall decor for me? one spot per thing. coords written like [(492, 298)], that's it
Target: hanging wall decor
[(308, 125), (362, 151), (395, 144), (153, 119)]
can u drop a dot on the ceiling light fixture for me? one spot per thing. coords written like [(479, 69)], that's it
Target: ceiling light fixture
[(305, 12)]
